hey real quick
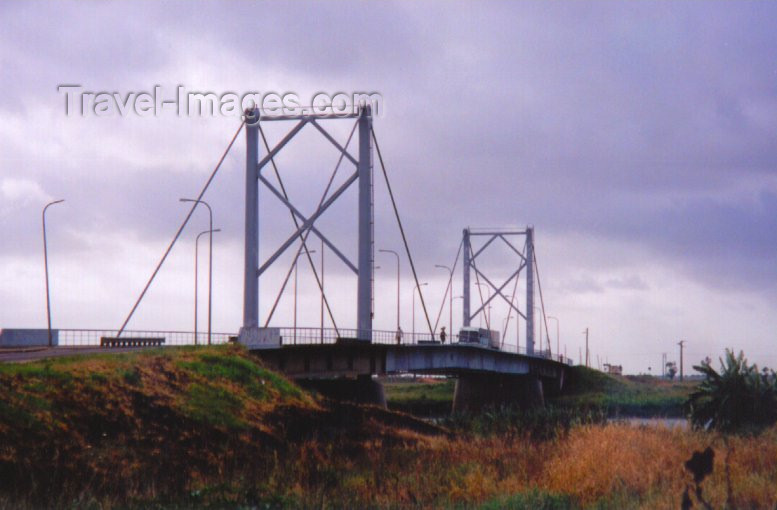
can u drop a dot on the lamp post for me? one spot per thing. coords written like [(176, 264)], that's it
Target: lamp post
[(210, 259), (458, 297), (517, 325), (397, 255), (488, 308), (504, 327), (196, 263), (46, 267), (418, 288), (296, 260), (557, 334), (450, 298)]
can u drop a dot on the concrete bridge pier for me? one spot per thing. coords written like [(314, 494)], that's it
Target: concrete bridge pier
[(475, 392), (362, 390)]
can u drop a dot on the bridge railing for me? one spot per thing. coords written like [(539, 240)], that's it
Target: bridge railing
[(91, 337), (308, 336), (289, 336)]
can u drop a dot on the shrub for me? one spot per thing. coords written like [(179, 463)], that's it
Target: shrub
[(738, 399)]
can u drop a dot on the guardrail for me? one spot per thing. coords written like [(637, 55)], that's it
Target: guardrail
[(309, 336), (289, 336), (91, 337)]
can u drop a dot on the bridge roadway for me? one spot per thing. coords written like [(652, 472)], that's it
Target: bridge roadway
[(485, 376)]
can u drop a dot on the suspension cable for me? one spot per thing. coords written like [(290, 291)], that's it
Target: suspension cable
[(480, 292), (449, 287), (513, 299), (542, 301), (401, 230), (180, 229)]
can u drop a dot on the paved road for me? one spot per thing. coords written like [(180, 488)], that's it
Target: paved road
[(9, 355)]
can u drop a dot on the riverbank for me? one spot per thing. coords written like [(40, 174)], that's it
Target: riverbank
[(212, 428), (585, 391)]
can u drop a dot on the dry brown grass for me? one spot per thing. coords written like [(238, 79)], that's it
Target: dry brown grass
[(647, 465), (121, 428)]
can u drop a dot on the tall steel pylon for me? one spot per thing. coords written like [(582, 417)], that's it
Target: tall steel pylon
[(525, 257), (250, 331)]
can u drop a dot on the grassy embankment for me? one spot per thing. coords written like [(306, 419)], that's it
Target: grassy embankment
[(210, 427)]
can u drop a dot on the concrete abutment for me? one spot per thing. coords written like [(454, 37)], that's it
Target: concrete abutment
[(476, 392)]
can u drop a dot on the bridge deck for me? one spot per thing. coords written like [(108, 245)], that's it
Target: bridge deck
[(351, 358)]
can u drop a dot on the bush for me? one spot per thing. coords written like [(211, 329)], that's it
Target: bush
[(738, 399)]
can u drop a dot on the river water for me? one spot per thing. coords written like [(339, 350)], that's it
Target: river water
[(652, 422)]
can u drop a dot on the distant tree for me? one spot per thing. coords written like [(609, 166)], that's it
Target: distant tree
[(671, 369), (736, 399)]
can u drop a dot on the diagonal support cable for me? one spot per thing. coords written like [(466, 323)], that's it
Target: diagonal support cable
[(303, 239), (401, 230), (480, 292), (514, 306), (449, 287), (305, 235), (180, 229), (542, 302)]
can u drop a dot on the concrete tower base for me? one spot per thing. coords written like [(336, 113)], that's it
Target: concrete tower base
[(362, 390), (476, 392)]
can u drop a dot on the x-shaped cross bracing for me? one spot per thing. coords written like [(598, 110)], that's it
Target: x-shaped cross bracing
[(497, 290), (307, 222)]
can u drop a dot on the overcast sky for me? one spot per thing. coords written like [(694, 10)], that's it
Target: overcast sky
[(638, 138)]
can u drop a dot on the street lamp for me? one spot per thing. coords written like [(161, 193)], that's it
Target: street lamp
[(397, 255), (46, 266), (459, 297), (295, 291), (558, 352), (196, 263), (517, 324), (418, 288), (488, 298), (210, 258), (450, 298), (505, 321)]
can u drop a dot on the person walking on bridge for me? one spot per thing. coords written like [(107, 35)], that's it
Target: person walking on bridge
[(399, 335), (442, 335)]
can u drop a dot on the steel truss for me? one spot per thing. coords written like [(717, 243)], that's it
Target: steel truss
[(305, 225), (525, 261)]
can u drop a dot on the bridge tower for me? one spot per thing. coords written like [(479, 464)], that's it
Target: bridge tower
[(525, 257), (251, 332)]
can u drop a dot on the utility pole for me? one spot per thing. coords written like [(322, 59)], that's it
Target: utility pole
[(663, 364), (586, 346), (681, 343)]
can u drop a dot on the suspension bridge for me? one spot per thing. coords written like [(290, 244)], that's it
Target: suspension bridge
[(343, 360)]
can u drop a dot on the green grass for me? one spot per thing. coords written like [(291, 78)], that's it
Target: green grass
[(214, 405), (427, 398), (584, 389), (643, 396), (532, 500), (252, 378)]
